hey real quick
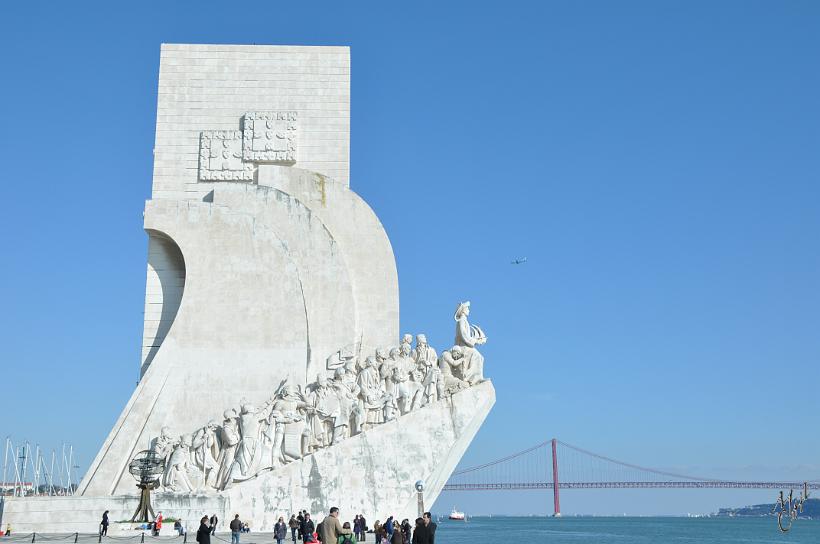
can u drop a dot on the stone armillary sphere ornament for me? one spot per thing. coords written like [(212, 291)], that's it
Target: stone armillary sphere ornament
[(146, 467)]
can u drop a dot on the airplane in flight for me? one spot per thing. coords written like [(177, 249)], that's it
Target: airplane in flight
[(520, 260)]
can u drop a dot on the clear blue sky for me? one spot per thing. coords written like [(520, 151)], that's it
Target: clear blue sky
[(657, 162)]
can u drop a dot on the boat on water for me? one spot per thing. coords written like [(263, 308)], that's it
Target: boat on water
[(456, 515)]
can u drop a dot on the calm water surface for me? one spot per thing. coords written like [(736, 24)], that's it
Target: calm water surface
[(625, 530)]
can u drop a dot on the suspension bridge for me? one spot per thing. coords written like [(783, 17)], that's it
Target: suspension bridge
[(537, 468)]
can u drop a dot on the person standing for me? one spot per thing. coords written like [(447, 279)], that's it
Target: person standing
[(308, 528), (420, 533), (203, 534), (363, 525), (158, 524), (397, 537), (301, 520), (406, 530), (294, 526), (280, 530), (236, 529), (214, 521), (431, 526), (104, 524), (332, 529)]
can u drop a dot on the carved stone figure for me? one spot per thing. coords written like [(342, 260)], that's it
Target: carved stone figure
[(164, 443), (423, 354), (205, 446), (372, 393), (176, 470), (325, 410), (405, 391), (249, 450), (427, 362), (406, 362), (351, 416), (229, 438), (468, 337), (451, 364), (287, 418), (384, 368), (406, 340)]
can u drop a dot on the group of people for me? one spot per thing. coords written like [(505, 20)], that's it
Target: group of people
[(329, 531), (355, 394), (393, 532)]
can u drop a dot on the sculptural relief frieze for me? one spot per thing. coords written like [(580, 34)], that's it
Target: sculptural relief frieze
[(269, 137), (220, 157), (231, 155), (358, 392)]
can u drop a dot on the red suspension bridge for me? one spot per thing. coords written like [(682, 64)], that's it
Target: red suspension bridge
[(537, 468)]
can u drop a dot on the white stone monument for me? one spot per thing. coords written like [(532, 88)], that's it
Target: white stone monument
[(273, 375)]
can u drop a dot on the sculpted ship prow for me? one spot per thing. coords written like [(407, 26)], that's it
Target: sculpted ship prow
[(294, 423)]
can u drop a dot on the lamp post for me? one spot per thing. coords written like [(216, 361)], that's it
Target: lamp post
[(420, 490)]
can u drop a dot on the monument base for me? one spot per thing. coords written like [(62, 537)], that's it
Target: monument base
[(372, 473)]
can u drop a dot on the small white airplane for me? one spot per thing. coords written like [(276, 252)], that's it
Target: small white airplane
[(520, 260)]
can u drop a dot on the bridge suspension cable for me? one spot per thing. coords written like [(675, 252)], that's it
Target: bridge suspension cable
[(537, 467)]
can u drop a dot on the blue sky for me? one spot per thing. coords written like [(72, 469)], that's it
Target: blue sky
[(655, 161)]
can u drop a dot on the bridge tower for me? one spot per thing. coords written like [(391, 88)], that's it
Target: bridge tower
[(555, 499)]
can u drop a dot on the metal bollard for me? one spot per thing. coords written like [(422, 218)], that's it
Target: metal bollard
[(76, 536), (99, 536), (185, 537), (33, 537), (143, 537)]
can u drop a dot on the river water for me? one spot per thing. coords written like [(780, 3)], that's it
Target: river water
[(626, 530)]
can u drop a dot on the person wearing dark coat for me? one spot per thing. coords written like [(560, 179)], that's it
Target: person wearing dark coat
[(425, 531), (214, 521), (308, 528), (203, 534), (363, 525), (104, 524), (420, 534)]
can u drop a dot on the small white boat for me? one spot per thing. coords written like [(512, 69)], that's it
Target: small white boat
[(456, 515)]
